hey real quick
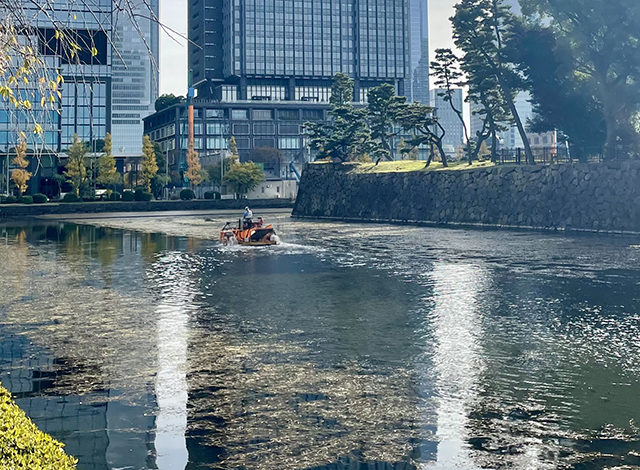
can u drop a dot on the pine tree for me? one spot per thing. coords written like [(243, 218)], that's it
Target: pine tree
[(20, 175), (107, 172), (76, 170), (149, 165), (194, 169)]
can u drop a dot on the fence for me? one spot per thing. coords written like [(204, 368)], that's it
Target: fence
[(542, 155)]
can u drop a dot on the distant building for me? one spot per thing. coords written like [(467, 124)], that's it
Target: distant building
[(419, 40), (135, 78), (454, 136)]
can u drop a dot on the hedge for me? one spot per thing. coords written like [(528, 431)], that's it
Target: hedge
[(39, 198), (25, 200), (23, 445), (187, 195)]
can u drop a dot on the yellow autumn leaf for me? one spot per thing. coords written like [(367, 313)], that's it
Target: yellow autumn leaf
[(94, 52), (27, 104), (37, 129), (42, 101), (75, 17), (24, 79)]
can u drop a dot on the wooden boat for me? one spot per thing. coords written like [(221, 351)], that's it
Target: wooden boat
[(255, 235)]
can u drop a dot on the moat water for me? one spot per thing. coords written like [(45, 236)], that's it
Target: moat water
[(141, 343)]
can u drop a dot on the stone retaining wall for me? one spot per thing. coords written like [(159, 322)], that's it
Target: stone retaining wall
[(602, 196), (21, 210)]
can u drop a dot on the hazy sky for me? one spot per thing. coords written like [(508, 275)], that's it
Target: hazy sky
[(173, 53)]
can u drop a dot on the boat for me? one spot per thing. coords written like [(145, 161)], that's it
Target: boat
[(257, 234)]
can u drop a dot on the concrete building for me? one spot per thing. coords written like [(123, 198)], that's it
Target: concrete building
[(454, 136)]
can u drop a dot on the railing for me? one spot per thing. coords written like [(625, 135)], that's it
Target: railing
[(542, 155)]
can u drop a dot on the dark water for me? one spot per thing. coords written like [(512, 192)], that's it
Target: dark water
[(347, 347)]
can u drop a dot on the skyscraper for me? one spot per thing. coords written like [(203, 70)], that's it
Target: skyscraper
[(290, 49), (419, 23), (134, 76)]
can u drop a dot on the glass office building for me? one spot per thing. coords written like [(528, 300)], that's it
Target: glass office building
[(284, 50), (419, 83), (134, 78)]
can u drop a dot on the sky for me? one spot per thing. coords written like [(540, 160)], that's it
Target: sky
[(173, 49)]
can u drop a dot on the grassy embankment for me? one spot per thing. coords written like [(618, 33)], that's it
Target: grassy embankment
[(23, 445), (413, 165)]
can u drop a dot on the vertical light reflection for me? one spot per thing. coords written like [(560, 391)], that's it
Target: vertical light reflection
[(457, 358), (171, 378)]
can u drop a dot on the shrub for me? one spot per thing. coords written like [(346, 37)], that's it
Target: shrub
[(212, 195), (40, 198), (114, 196), (70, 197), (25, 446), (25, 200), (187, 195), (128, 196), (142, 195), (11, 200)]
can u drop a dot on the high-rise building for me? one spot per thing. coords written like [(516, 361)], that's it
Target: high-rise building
[(262, 68), (134, 76), (419, 23), (454, 130), (283, 50)]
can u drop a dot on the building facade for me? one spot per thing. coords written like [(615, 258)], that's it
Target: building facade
[(419, 23), (289, 50), (454, 130), (134, 77)]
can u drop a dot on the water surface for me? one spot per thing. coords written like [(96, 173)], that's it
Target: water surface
[(141, 343)]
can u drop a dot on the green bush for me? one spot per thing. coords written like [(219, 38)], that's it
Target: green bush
[(212, 195), (142, 195), (114, 196), (40, 198), (70, 197), (10, 200), (25, 200), (23, 445), (128, 196), (187, 195)]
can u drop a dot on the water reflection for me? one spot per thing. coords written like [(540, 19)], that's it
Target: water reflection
[(457, 357), (345, 347), (171, 377)]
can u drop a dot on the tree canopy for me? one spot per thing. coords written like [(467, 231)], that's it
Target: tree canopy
[(244, 177)]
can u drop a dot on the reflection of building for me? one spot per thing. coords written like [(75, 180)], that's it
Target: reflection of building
[(453, 127)]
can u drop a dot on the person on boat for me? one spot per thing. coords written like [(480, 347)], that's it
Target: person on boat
[(247, 218), (260, 221)]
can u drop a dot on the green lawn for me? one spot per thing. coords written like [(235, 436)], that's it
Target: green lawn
[(413, 165)]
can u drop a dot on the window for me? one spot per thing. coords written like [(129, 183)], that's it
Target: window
[(266, 128), (263, 142), (243, 143), (288, 114), (217, 143), (289, 143), (241, 129), (239, 114), (312, 114), (217, 128), (289, 129), (215, 113), (262, 114)]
